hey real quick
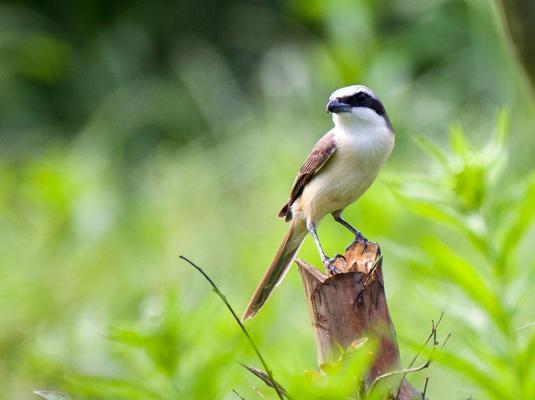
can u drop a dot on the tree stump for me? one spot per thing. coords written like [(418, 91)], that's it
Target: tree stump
[(351, 306)]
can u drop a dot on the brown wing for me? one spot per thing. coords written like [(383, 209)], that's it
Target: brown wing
[(320, 154)]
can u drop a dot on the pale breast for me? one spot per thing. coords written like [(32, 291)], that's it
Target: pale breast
[(347, 175)]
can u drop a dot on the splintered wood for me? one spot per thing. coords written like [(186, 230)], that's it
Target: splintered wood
[(350, 307)]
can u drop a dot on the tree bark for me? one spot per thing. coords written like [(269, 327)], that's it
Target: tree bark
[(351, 306)]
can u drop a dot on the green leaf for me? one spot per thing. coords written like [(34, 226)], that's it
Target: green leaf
[(495, 155), (52, 395), (457, 270), (502, 130), (527, 368), (524, 214), (487, 382), (432, 150), (264, 377), (445, 215), (458, 141), (103, 387)]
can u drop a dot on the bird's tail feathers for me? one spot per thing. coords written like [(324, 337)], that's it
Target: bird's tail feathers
[(278, 268)]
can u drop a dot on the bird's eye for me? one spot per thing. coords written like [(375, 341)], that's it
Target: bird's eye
[(358, 99), (361, 97)]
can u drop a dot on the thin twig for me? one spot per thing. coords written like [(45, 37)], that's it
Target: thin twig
[(237, 394), (398, 372), (410, 368), (238, 321), (432, 335), (265, 378), (425, 387)]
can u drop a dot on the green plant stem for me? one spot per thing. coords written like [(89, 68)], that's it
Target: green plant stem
[(238, 395), (238, 321)]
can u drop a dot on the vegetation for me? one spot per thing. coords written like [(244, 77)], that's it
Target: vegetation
[(134, 132)]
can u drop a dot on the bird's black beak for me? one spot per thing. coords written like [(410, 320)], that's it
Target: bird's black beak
[(336, 106)]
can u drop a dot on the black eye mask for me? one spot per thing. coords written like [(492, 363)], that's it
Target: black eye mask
[(362, 99)]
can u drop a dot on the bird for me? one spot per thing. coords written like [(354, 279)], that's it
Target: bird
[(338, 171)]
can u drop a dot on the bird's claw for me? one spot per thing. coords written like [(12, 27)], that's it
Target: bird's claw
[(359, 237), (329, 264), (332, 269)]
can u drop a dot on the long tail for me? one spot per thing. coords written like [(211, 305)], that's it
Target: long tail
[(278, 268)]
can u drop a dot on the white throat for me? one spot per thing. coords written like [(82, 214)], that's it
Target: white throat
[(361, 122)]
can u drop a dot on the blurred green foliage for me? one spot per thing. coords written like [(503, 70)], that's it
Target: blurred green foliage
[(481, 209), (133, 132)]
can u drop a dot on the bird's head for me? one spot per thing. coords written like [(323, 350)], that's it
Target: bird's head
[(357, 105)]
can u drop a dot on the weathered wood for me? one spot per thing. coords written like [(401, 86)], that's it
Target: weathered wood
[(350, 306)]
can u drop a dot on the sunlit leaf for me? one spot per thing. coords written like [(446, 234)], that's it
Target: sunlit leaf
[(495, 154), (330, 368), (527, 367), (52, 395), (445, 215), (112, 388), (458, 141), (459, 271), (264, 377), (432, 150), (470, 185), (497, 145), (487, 383), (524, 214)]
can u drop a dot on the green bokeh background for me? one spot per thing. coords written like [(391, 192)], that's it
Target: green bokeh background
[(133, 131)]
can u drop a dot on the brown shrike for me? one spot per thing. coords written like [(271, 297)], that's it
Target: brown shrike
[(341, 167)]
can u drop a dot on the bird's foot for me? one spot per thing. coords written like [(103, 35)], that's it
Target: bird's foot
[(329, 264), (359, 238)]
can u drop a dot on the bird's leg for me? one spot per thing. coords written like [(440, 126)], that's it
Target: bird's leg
[(328, 262), (337, 215)]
